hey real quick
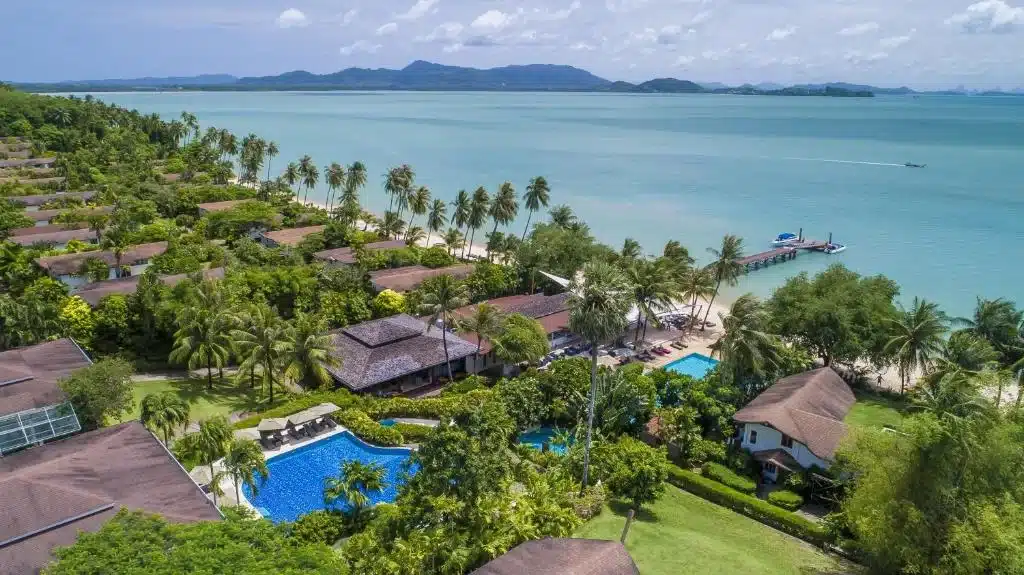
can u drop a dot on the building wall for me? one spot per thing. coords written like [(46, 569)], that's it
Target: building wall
[(771, 438)]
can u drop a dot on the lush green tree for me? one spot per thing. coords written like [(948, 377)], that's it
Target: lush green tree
[(697, 284), (203, 336), (916, 338), (101, 392), (442, 297), (621, 402), (599, 299), (503, 208), (308, 352), (391, 226), (244, 462), (262, 340), (537, 196), (436, 218), (461, 208), (745, 348), (77, 320), (207, 445), (419, 203), (521, 339), (485, 321), (388, 303), (163, 413), (479, 209), (999, 321), (639, 472), (11, 218), (489, 280), (654, 289), (354, 484), (345, 308), (453, 240), (112, 330), (963, 352), (523, 400), (562, 216), (724, 268)]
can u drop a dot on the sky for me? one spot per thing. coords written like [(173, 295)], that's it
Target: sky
[(920, 43)]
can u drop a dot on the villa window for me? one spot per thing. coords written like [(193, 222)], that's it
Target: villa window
[(787, 441), (770, 467), (753, 436)]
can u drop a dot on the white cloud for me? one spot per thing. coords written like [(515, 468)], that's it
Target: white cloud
[(684, 60), (493, 20), (670, 35), (619, 6), (446, 32), (543, 15), (452, 48), (349, 16), (359, 46), (781, 33), (895, 41), (386, 29), (988, 17), (858, 57), (417, 10), (712, 55), (858, 29), (292, 18), (582, 46), (700, 17)]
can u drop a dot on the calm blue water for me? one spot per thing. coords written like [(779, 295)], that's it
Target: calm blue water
[(538, 437), (387, 422), (295, 485), (696, 167), (695, 365)]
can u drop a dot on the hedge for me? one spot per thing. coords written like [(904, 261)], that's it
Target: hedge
[(752, 507), (440, 408), (786, 499), (730, 478), (369, 430), (342, 398), (413, 433)]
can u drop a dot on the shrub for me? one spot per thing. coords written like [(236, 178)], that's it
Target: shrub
[(750, 506), (590, 504), (341, 397), (471, 383), (413, 433), (321, 526), (369, 430), (785, 499), (388, 303), (728, 477), (441, 408), (436, 257)]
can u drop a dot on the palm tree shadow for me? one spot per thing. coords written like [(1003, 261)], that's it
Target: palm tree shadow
[(621, 508), (235, 396)]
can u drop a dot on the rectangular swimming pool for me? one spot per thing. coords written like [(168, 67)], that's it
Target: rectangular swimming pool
[(296, 482), (695, 365)]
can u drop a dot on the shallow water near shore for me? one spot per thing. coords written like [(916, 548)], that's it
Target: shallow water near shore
[(694, 168)]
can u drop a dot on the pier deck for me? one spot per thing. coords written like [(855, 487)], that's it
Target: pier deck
[(778, 255)]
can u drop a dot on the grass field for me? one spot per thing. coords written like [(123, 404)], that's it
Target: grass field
[(876, 411), (683, 534), (221, 400)]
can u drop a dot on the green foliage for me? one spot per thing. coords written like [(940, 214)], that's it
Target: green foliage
[(77, 317), (101, 392), (436, 257), (470, 383), (367, 429), (323, 526), (412, 433), (94, 270), (112, 330), (561, 383), (340, 397), (345, 308), (135, 542), (11, 218), (521, 339), (785, 499), (240, 219), (638, 472), (728, 477), (624, 401), (489, 281), (388, 303), (523, 400)]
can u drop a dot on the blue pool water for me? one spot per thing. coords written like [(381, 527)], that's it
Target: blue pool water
[(538, 437), (695, 365), (296, 481), (387, 422)]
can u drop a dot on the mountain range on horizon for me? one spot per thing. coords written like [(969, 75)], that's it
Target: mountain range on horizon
[(427, 76)]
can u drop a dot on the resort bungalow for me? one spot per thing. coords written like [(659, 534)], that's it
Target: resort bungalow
[(32, 203), (290, 237), (347, 256), (551, 556), (395, 355), (552, 311), (797, 423), (66, 267), (211, 207), (43, 217), (55, 238), (96, 291), (50, 494), (33, 409), (28, 163), (410, 277)]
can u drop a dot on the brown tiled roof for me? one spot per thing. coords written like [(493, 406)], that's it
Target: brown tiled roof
[(778, 457), (47, 215), (809, 407), (563, 557), (378, 351), (79, 483), (409, 277), (27, 162), (28, 375), (551, 311), (347, 255), (94, 292), (292, 236), (43, 198), (54, 237), (70, 263), (47, 229), (219, 206)]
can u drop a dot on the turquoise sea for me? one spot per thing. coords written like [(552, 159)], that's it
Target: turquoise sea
[(696, 167)]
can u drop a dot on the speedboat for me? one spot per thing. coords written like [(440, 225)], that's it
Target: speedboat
[(913, 165), (834, 248), (785, 238)]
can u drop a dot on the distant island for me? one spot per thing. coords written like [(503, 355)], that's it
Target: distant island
[(428, 76)]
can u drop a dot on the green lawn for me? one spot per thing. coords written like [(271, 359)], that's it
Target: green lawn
[(876, 411), (221, 400), (682, 534)]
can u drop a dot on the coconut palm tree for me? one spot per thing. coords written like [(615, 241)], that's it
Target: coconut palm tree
[(537, 196), (393, 185), (504, 207), (485, 321), (164, 412), (697, 284), (307, 352), (724, 268), (309, 180), (461, 206), (744, 348), (479, 204), (916, 338), (414, 235), (963, 351), (599, 300), (443, 296), (436, 218), (203, 336), (453, 240), (998, 321), (291, 176), (391, 226), (562, 216), (335, 179), (419, 202), (654, 289), (271, 151), (208, 444), (355, 178), (244, 462), (354, 484), (262, 339), (191, 125), (631, 250)]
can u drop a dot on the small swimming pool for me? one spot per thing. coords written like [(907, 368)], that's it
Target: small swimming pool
[(296, 483), (387, 422), (536, 439), (695, 365)]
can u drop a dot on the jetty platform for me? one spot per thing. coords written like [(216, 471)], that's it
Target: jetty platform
[(778, 255)]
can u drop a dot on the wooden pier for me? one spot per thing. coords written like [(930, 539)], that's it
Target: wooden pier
[(779, 255)]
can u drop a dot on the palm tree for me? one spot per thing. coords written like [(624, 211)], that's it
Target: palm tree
[(291, 176), (436, 218), (206, 446), (414, 235), (354, 484), (916, 338), (393, 184), (654, 289), (308, 350), (419, 202), (335, 179), (270, 152), (998, 321), (190, 124), (963, 351), (599, 300), (504, 208), (391, 226), (117, 239), (461, 206), (453, 240), (478, 206), (485, 321), (724, 268), (309, 180), (444, 295), (262, 341), (538, 194), (744, 348), (164, 412), (244, 461), (631, 249), (697, 284), (202, 339), (356, 178), (562, 216)]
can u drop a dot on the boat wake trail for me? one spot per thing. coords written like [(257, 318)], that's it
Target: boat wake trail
[(846, 162)]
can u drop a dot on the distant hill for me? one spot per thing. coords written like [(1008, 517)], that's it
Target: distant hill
[(669, 86), (150, 82), (901, 91)]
